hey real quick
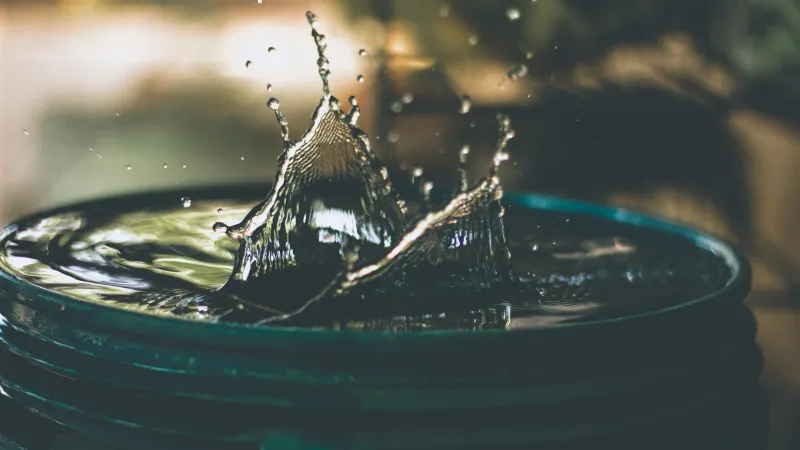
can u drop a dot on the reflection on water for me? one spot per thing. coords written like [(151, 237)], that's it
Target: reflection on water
[(68, 105), (165, 259)]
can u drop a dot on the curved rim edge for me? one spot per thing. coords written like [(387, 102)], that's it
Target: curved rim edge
[(737, 286)]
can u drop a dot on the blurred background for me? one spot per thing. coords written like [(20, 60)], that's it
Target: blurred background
[(688, 109)]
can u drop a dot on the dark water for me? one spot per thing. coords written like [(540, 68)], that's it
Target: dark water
[(165, 259)]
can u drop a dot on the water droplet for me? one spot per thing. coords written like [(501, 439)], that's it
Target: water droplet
[(392, 136), (360, 78), (271, 50), (463, 153), (219, 210), (362, 52), (529, 55), (466, 104), (353, 100), (472, 124), (518, 71), (273, 104), (184, 166), (242, 158), (512, 14), (269, 88), (128, 167), (407, 98), (426, 189), (25, 132), (165, 165), (248, 63), (186, 201), (220, 227), (473, 39), (555, 47), (396, 107), (444, 10), (417, 172)]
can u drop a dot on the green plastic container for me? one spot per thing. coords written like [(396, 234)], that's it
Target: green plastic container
[(681, 377)]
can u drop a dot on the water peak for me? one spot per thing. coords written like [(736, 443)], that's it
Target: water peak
[(333, 214)]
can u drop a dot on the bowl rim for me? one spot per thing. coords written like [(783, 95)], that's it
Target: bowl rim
[(109, 317)]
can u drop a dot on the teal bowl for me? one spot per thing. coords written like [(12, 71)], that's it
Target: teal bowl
[(686, 373)]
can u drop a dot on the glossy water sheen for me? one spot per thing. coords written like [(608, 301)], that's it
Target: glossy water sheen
[(166, 260)]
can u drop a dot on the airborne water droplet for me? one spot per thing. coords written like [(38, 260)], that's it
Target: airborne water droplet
[(426, 190), (273, 104), (517, 71), (184, 166), (248, 63), (473, 39), (25, 132), (360, 78), (396, 107), (269, 88), (444, 10), (165, 165), (512, 14), (466, 104), (392, 136), (362, 52), (128, 167), (407, 98), (271, 49), (242, 158), (219, 210), (353, 100), (463, 153), (186, 201)]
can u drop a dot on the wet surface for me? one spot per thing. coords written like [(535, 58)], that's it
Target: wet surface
[(569, 268), (102, 83)]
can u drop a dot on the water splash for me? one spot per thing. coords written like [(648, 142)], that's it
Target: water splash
[(334, 211)]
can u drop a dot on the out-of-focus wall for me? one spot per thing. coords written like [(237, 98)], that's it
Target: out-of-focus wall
[(90, 87)]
